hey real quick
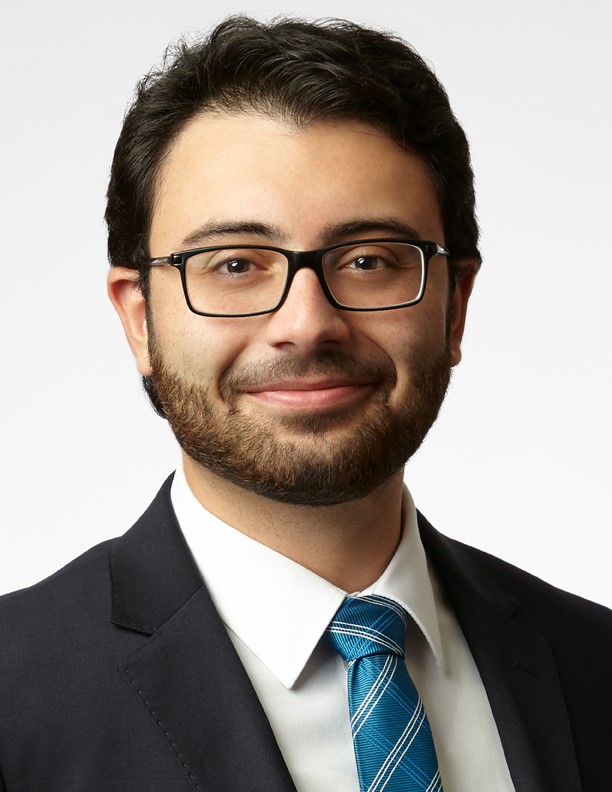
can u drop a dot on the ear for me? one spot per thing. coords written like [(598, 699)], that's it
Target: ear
[(465, 275), (127, 297)]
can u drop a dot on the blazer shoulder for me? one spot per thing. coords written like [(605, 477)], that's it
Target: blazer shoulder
[(85, 582), (531, 600), (549, 600), (60, 596)]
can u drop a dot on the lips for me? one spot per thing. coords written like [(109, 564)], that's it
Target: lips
[(309, 394), (324, 383)]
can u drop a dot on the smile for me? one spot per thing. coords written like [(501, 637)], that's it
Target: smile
[(300, 395)]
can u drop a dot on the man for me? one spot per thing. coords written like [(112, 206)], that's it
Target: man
[(293, 241)]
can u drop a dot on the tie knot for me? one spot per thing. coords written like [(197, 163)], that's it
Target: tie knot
[(365, 626)]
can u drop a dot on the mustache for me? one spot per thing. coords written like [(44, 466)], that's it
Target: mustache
[(239, 378)]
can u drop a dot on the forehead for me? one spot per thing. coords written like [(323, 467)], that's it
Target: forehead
[(245, 167)]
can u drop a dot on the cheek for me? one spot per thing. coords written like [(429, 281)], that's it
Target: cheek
[(415, 340), (421, 327), (199, 349)]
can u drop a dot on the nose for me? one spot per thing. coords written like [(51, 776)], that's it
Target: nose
[(306, 320)]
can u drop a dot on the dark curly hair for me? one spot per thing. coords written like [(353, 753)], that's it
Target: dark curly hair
[(302, 72)]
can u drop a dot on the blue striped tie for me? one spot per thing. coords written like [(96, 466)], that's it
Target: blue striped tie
[(391, 734)]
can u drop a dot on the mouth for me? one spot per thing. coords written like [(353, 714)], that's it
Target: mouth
[(309, 394)]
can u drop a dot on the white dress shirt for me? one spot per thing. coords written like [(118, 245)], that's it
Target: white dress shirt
[(276, 612)]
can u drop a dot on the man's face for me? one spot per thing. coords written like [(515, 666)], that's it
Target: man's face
[(309, 405)]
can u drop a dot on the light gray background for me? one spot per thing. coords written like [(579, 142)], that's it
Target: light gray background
[(519, 462)]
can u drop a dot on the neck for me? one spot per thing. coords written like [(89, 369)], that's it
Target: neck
[(349, 544)]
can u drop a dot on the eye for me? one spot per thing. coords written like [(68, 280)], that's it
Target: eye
[(381, 259), (234, 266), (230, 263), (367, 262), (368, 258)]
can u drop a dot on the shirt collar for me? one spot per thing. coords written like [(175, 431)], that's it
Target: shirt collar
[(407, 580), (256, 590)]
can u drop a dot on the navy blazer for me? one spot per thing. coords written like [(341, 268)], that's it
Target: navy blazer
[(117, 674)]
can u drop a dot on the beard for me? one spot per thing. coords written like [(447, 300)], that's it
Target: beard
[(307, 459)]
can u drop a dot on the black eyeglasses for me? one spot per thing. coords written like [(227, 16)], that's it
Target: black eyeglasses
[(249, 280)]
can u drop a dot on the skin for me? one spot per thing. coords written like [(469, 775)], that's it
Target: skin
[(303, 184)]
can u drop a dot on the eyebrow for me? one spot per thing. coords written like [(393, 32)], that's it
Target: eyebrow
[(209, 233), (393, 226)]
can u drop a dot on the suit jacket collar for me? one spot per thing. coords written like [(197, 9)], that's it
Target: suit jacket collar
[(516, 665), (152, 570), (187, 674), (193, 684)]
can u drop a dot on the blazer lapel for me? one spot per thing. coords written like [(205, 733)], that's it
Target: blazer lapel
[(187, 674), (517, 669)]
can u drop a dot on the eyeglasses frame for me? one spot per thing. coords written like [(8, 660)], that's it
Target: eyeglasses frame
[(301, 259)]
